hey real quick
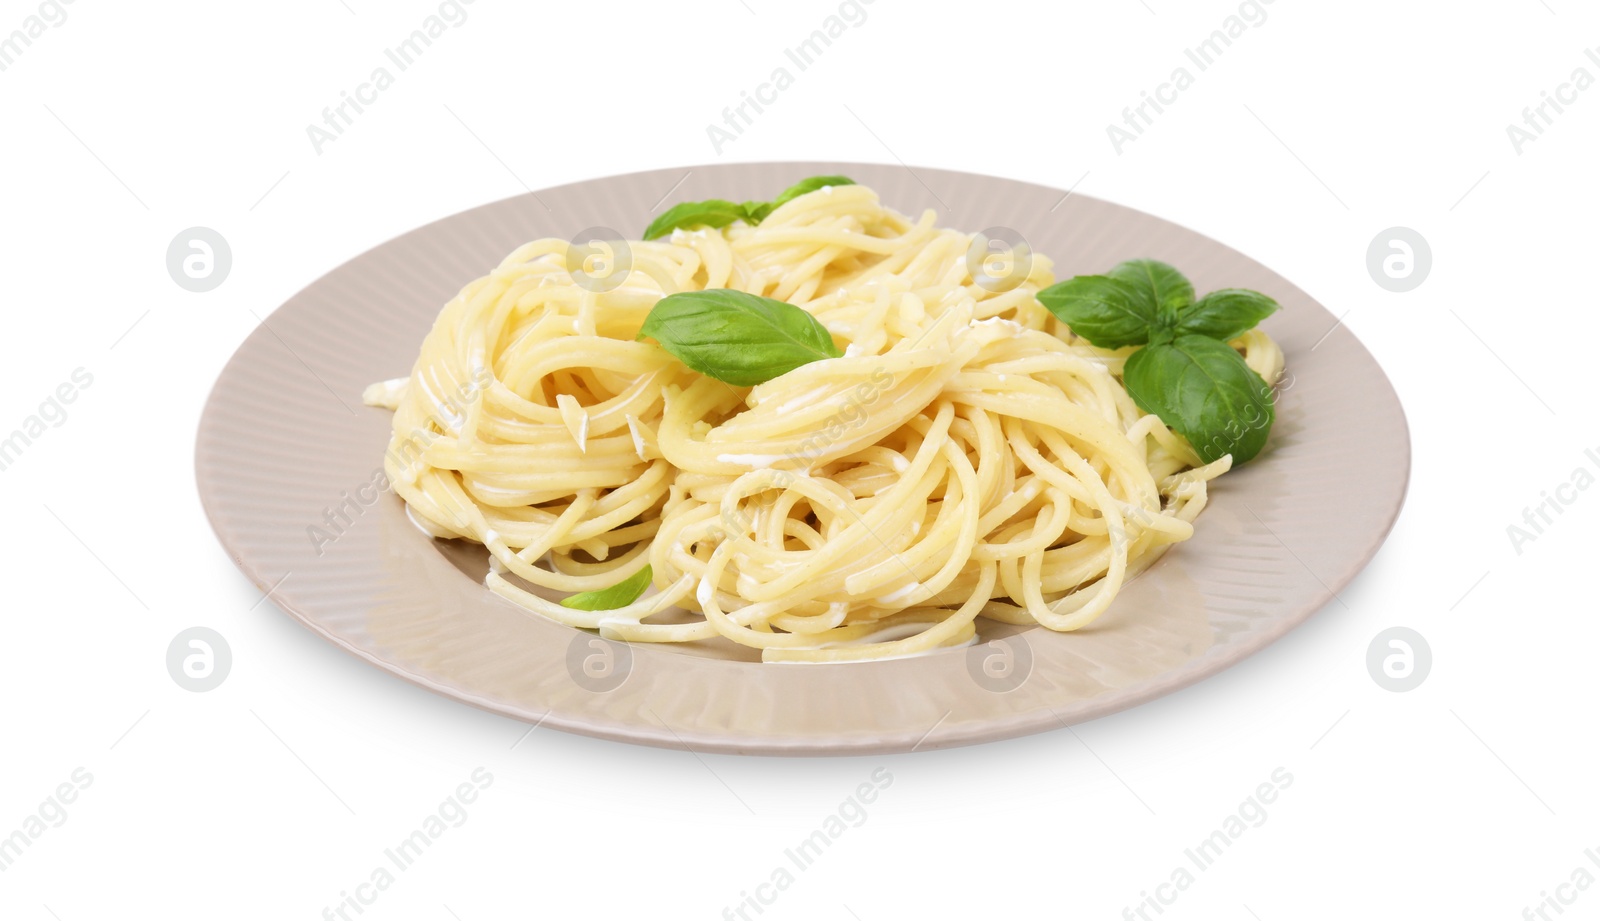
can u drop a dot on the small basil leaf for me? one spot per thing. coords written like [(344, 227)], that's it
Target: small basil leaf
[(1226, 313), (1160, 285), (740, 338), (710, 213), (756, 211), (809, 185), (1101, 309), (620, 595), (1204, 390)]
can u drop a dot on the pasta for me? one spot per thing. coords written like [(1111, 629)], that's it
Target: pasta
[(967, 457)]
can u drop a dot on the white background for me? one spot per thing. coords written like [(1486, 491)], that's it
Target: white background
[(275, 793)]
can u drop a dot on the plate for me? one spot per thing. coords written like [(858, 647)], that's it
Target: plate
[(286, 450)]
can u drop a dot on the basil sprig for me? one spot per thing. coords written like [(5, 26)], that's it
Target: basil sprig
[(713, 212), (806, 186), (718, 213), (1186, 373), (740, 338), (620, 595)]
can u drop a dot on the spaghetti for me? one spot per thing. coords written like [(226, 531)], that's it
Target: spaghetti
[(966, 457)]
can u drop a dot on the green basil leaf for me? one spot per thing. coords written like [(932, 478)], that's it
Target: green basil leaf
[(710, 213), (1226, 313), (756, 211), (1160, 286), (717, 213), (743, 339), (809, 185), (1203, 389), (1107, 312), (620, 595)]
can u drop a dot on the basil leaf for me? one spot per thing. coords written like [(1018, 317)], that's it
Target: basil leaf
[(713, 212), (1225, 313), (805, 186), (1160, 286), (718, 213), (620, 595), (756, 211), (743, 339), (1202, 388), (1107, 312)]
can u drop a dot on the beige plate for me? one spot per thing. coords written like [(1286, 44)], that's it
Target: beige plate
[(284, 437)]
